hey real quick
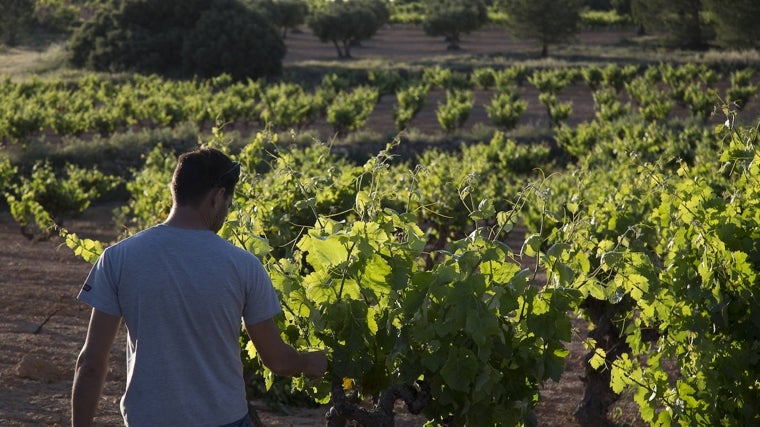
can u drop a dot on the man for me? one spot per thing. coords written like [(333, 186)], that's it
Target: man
[(182, 291)]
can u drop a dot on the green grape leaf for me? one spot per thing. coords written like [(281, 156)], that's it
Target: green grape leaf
[(532, 245), (460, 369), (598, 359)]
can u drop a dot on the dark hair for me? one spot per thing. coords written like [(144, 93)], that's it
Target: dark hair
[(201, 170)]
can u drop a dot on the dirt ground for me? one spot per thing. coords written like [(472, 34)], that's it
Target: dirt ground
[(42, 327)]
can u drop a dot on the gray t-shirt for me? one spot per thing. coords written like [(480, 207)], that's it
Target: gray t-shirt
[(182, 294)]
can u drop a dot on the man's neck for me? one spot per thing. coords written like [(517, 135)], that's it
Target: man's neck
[(186, 217)]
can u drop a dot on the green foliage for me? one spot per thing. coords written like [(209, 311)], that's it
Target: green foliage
[(483, 78), (202, 37), (44, 199), (57, 15), (233, 40), (616, 76), (366, 296), (452, 18), (558, 111), (350, 110), (17, 18), (742, 89), (675, 238), (653, 104), (546, 21), (454, 112), (578, 141), (505, 109), (386, 81), (284, 105), (680, 23), (410, 102), (604, 19), (150, 203), (77, 107), (347, 23), (552, 81), (283, 14), (734, 23), (7, 172), (445, 78), (284, 190), (611, 75), (593, 76), (508, 77), (607, 105)]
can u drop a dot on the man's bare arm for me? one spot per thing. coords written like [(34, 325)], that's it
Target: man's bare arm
[(281, 358), (91, 367)]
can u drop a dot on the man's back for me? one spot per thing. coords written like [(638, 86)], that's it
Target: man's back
[(182, 294)]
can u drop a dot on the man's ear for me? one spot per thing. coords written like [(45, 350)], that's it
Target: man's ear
[(218, 196)]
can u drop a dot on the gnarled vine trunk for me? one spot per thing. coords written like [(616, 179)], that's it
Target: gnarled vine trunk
[(345, 408), (598, 397)]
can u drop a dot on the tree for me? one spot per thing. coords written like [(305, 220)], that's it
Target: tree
[(178, 37), (680, 22), (735, 22), (16, 17), (346, 23), (452, 18), (283, 14), (225, 40), (547, 21)]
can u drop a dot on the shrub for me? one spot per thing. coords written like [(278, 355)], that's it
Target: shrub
[(173, 37), (484, 78), (456, 110), (233, 40), (387, 82), (350, 110), (607, 105), (46, 197), (741, 89), (558, 111), (505, 109), (410, 102), (286, 104)]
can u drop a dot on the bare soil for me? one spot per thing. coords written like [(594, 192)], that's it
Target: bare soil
[(42, 327)]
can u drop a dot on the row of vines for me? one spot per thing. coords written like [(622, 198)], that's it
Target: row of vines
[(345, 102), (401, 268)]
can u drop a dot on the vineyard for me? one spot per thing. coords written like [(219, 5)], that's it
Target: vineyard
[(637, 209)]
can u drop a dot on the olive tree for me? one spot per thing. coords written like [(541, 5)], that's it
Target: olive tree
[(283, 14), (346, 23), (546, 21), (735, 22), (679, 23), (452, 18)]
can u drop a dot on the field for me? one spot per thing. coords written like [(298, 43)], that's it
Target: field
[(42, 325)]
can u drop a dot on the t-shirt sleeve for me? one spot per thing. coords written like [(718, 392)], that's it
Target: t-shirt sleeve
[(100, 290), (261, 299)]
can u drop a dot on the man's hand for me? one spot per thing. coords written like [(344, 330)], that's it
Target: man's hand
[(281, 358), (316, 364)]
